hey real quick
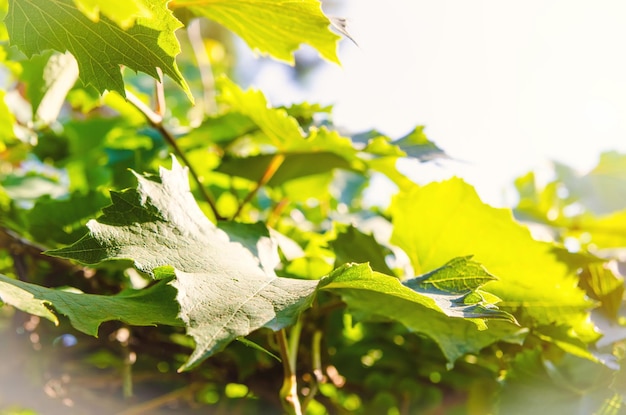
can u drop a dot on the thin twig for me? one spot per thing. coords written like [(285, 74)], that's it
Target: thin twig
[(156, 121), (289, 390), (272, 168), (151, 405), (318, 374), (160, 94)]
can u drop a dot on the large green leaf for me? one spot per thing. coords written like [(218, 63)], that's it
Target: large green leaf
[(455, 326), (275, 27), (445, 220), (154, 305), (225, 278), (99, 47)]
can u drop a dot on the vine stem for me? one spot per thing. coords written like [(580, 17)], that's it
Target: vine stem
[(288, 354), (156, 121), (271, 169)]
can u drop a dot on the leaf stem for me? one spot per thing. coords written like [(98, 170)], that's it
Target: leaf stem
[(271, 169), (289, 390), (194, 32), (318, 374), (156, 121)]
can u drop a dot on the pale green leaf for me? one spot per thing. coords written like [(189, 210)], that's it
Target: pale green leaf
[(225, 278), (122, 12), (440, 221), (154, 305), (280, 134), (277, 125), (274, 27), (99, 47)]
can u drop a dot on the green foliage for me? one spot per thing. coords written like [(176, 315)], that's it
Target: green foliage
[(99, 47), (256, 230)]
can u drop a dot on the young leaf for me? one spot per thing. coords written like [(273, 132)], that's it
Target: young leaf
[(225, 278), (99, 47), (86, 312), (271, 27), (459, 275), (457, 329), (446, 220)]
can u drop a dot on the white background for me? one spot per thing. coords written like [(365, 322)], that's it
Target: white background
[(502, 85)]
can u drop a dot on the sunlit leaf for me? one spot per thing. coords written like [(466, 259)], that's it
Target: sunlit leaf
[(225, 278), (99, 47), (277, 28), (445, 220)]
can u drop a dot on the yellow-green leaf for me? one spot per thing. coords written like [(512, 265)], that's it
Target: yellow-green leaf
[(274, 27), (441, 221), (99, 47)]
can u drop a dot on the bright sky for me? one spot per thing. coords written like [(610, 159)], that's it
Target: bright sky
[(503, 85)]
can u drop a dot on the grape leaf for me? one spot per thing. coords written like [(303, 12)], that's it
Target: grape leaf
[(445, 220), (444, 317), (99, 47), (154, 305), (226, 284), (275, 27), (122, 12)]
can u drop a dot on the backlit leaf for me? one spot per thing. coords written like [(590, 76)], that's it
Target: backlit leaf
[(99, 47), (445, 220), (274, 27)]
